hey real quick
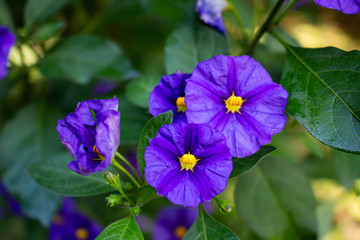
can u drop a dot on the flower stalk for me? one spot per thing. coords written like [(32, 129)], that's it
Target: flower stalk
[(121, 168), (122, 158)]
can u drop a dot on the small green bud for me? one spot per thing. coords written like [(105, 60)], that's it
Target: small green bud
[(135, 210), (112, 179), (113, 199), (224, 205)]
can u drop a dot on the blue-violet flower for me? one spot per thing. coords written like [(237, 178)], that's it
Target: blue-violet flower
[(71, 224), (169, 94), (91, 142), (236, 96), (173, 222), (188, 163), (210, 12), (345, 6), (7, 40)]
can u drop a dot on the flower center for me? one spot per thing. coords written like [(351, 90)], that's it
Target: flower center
[(81, 234), (180, 231), (188, 161), (180, 103), (100, 156), (58, 220), (233, 103)]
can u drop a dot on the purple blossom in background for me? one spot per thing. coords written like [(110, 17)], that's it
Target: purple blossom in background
[(9, 206), (71, 224), (210, 12), (169, 94), (236, 96), (92, 144), (7, 40), (345, 6), (188, 163), (104, 87), (173, 222)]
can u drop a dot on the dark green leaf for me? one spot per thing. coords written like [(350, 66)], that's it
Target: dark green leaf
[(120, 69), (138, 91), (47, 30), (324, 93), (30, 137), (242, 165), (125, 229), (133, 120), (347, 168), (56, 176), (273, 197), (79, 58), (5, 15), (191, 44), (37, 11), (149, 132), (207, 228), (145, 194)]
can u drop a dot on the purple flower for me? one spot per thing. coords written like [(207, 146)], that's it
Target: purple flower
[(71, 224), (9, 205), (188, 163), (91, 142), (173, 222), (169, 94), (210, 12), (345, 6), (236, 96), (7, 40)]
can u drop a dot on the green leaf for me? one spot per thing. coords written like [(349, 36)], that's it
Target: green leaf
[(120, 69), (347, 168), (273, 197), (28, 138), (149, 132), (145, 194), (133, 120), (47, 30), (242, 165), (37, 11), (79, 58), (191, 44), (57, 177), (324, 92), (124, 229), (5, 15), (325, 213), (207, 228), (138, 91)]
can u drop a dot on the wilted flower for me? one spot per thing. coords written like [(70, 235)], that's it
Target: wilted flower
[(173, 222), (345, 6), (236, 96), (91, 141), (210, 12), (7, 40), (169, 94), (71, 224), (188, 163), (8, 204)]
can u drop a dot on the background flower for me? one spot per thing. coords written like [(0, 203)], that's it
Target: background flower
[(8, 204), (210, 12), (7, 40), (173, 222), (188, 163), (169, 95), (345, 6), (236, 96), (92, 143), (71, 224)]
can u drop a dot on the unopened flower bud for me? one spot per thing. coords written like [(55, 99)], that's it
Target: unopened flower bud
[(113, 200), (135, 210), (112, 179), (224, 205)]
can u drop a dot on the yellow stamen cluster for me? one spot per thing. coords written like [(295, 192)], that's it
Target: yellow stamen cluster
[(188, 161), (100, 156), (180, 232), (81, 234), (180, 103), (233, 103)]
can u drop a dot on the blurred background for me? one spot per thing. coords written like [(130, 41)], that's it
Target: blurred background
[(70, 51)]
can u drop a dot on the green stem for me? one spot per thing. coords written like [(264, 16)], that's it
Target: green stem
[(121, 168), (275, 35), (239, 21), (122, 158), (121, 191), (265, 27), (283, 13)]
